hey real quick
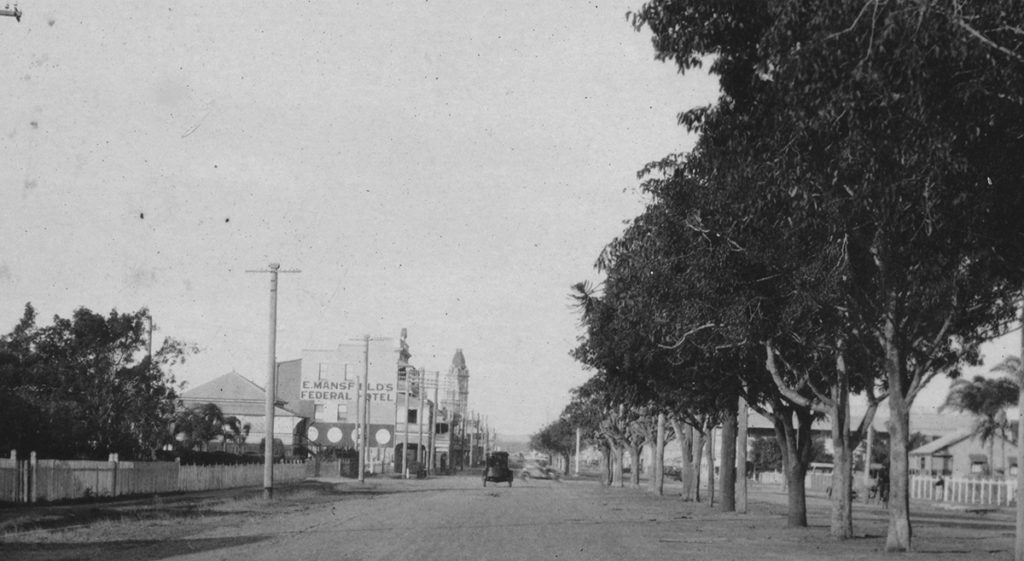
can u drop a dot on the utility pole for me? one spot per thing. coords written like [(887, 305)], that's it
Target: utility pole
[(363, 413), (579, 434), (359, 432), (487, 436), (433, 424), (271, 389), (405, 421), (364, 450), (419, 421)]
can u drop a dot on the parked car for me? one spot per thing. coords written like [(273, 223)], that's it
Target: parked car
[(496, 468), (673, 472), (537, 470)]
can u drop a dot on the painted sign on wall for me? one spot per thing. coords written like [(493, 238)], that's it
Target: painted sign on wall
[(330, 379)]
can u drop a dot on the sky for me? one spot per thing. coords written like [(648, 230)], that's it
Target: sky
[(450, 168)]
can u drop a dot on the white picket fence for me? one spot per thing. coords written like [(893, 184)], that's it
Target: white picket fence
[(964, 490), (31, 480)]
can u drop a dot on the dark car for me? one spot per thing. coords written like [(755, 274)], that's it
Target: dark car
[(497, 469)]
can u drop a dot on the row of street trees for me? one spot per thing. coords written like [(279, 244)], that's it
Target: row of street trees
[(848, 223)]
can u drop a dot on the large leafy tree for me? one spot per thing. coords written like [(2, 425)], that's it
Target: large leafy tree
[(85, 386), (898, 123)]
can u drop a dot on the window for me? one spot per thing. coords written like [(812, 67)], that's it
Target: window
[(412, 416), (320, 412), (979, 463), (342, 412), (441, 428)]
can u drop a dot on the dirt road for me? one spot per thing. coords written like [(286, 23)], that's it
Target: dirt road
[(454, 518)]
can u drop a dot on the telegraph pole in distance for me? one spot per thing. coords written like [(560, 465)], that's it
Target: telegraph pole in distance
[(419, 421), (363, 416), (433, 425), (271, 389), (364, 445)]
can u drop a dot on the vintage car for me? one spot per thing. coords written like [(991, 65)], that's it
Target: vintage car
[(538, 470), (496, 468)]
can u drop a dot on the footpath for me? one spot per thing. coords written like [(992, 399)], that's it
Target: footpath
[(15, 518)]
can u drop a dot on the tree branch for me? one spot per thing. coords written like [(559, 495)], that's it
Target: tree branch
[(786, 391), (981, 37), (679, 343)]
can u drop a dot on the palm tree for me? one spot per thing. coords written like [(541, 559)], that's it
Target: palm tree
[(195, 427), (986, 399)]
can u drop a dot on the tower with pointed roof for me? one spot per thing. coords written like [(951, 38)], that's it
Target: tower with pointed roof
[(457, 385)]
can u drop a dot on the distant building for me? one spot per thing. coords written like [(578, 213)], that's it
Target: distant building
[(964, 454), (317, 401), (240, 397)]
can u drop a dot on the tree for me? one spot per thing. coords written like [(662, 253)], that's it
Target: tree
[(766, 455), (85, 387), (195, 427), (986, 399), (901, 120), (557, 437)]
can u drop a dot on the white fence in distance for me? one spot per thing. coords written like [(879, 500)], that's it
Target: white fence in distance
[(964, 490)]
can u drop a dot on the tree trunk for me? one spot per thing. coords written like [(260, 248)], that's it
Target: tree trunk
[(900, 532), (796, 494), (617, 453), (685, 434), (698, 455), (634, 472), (652, 479), (728, 474), (796, 442), (711, 466), (606, 465), (741, 457), (1002, 452), (869, 444), (842, 462), (659, 457)]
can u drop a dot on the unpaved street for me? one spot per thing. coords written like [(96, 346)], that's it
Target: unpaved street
[(456, 518)]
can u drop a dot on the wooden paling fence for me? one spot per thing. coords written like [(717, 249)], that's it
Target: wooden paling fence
[(32, 480)]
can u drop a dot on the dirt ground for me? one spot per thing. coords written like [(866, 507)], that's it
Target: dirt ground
[(455, 518)]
